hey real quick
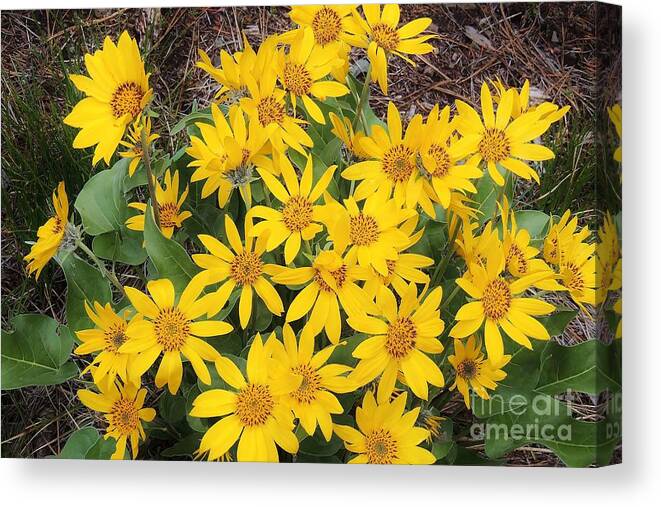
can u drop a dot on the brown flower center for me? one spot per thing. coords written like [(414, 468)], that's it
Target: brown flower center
[(441, 159), (297, 79), (124, 416), (363, 230), (494, 145), (115, 336), (467, 369), (339, 275), (400, 338), (254, 405), (399, 163), (385, 36), (127, 99), (381, 447), (326, 26), (172, 329), (270, 110), (311, 383), (497, 299), (246, 267), (168, 213), (297, 213)]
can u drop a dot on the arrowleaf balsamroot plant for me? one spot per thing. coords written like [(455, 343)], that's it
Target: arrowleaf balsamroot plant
[(361, 246)]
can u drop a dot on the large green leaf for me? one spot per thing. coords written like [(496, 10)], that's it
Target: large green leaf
[(84, 283), (535, 222), (86, 443), (101, 202), (587, 367), (123, 246), (36, 352), (169, 257), (547, 421), (489, 193)]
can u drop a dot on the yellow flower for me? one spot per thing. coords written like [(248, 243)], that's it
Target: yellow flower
[(253, 411), (392, 163), (399, 340), (560, 236), (609, 258), (123, 406), (550, 112), (134, 144), (244, 268), (373, 234), (404, 269), (615, 115), (386, 435), (234, 69), (51, 234), (227, 153), (520, 257), (498, 141), (171, 329), (169, 207), (440, 159), (110, 333), (117, 91), (473, 371), (313, 402), (578, 272), (496, 305), (334, 29), (302, 71), (344, 131), (473, 248), (329, 283), (332, 25), (382, 38), (299, 216), (266, 105)]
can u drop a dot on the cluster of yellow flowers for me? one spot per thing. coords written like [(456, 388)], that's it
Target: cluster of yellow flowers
[(345, 262)]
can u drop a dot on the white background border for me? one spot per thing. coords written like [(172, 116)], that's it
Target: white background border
[(638, 480)]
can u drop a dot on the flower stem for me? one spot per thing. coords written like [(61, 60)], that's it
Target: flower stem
[(441, 266), (146, 157), (104, 271), (362, 100)]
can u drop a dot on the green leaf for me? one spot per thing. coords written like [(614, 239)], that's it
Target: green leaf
[(169, 257), (587, 367), (36, 353), (443, 444), (101, 202), (488, 194), (84, 283), (556, 323), (86, 443), (172, 408), (547, 421), (523, 371), (535, 222), (316, 445), (123, 246), (185, 447)]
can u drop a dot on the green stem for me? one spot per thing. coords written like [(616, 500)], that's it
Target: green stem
[(146, 157), (441, 266), (104, 271), (307, 247), (360, 116), (267, 194)]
